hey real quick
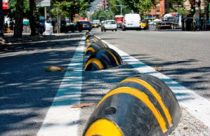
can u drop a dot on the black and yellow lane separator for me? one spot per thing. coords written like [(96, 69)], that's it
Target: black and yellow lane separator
[(138, 106), (93, 64), (107, 58), (92, 49)]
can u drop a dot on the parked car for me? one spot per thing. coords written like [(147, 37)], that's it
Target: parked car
[(109, 25), (96, 23), (164, 25), (144, 24), (83, 25), (131, 21), (71, 27)]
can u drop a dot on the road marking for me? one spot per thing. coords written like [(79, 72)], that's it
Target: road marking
[(197, 106), (61, 119)]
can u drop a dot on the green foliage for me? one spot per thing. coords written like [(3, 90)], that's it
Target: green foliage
[(103, 14), (182, 11), (116, 5), (60, 8), (81, 6), (140, 6), (12, 4), (144, 6), (69, 7), (12, 8)]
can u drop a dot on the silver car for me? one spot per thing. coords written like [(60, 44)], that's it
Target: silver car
[(109, 25)]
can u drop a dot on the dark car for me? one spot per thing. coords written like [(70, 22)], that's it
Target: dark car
[(164, 25), (83, 25), (71, 27)]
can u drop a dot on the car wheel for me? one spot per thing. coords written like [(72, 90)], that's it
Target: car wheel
[(123, 28), (115, 30)]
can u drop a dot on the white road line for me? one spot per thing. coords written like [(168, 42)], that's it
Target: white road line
[(61, 119), (197, 106)]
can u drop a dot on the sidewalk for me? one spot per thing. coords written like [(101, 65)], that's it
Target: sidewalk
[(9, 40)]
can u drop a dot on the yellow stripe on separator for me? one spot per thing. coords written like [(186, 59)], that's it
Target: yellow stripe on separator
[(90, 49), (95, 61), (142, 97), (95, 39), (155, 94), (88, 44), (103, 127), (88, 40), (113, 57)]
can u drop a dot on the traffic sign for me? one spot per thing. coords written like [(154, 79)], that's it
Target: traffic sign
[(43, 3)]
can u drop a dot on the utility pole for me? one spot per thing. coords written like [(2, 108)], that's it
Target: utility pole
[(121, 7)]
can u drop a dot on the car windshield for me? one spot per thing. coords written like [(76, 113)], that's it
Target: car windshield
[(110, 22), (83, 22)]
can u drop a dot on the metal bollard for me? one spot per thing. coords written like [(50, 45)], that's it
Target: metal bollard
[(138, 106)]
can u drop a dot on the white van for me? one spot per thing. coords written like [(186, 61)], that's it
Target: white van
[(131, 21)]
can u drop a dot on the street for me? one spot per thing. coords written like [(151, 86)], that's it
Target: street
[(26, 89), (36, 102), (184, 56)]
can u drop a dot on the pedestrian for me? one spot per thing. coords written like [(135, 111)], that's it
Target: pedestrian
[(41, 25)]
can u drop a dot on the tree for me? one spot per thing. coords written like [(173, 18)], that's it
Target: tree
[(70, 7), (1, 20), (140, 6), (18, 19), (103, 14), (144, 6), (174, 5), (18, 9), (32, 8), (81, 6), (60, 9), (118, 6)]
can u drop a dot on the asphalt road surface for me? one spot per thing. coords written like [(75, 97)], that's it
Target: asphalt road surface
[(183, 56), (26, 89)]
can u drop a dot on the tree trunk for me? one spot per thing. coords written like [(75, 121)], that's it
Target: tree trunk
[(58, 24), (18, 19), (1, 21), (32, 19)]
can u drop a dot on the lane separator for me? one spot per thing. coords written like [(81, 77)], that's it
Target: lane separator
[(196, 105), (61, 119)]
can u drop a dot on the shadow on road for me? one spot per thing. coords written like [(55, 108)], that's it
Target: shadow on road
[(26, 89), (183, 71)]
